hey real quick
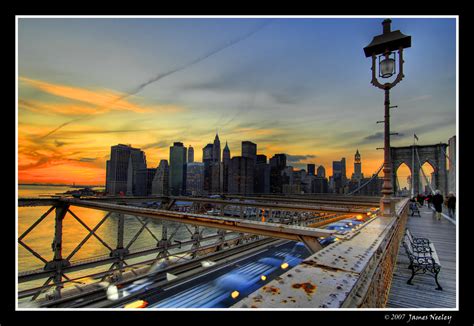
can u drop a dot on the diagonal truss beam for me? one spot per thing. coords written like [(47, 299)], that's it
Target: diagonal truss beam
[(89, 229), (91, 232), (38, 221), (137, 234), (146, 228), (34, 253)]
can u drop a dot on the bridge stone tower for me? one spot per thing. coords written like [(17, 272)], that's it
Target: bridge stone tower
[(434, 154)]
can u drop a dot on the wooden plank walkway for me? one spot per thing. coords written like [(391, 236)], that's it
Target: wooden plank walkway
[(422, 294)]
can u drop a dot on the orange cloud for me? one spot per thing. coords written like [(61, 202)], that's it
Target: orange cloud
[(99, 101)]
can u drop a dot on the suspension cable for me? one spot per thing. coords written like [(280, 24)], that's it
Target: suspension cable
[(423, 172), (449, 159), (365, 184)]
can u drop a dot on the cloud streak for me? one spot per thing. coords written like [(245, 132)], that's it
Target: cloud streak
[(209, 54)]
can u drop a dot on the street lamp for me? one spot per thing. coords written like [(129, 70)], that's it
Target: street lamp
[(384, 47)]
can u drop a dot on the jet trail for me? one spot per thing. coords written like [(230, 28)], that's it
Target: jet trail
[(195, 61), (59, 127), (175, 70)]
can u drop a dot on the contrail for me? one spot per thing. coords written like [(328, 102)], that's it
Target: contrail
[(195, 61), (172, 71), (59, 127)]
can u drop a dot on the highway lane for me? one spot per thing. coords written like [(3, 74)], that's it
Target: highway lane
[(222, 287)]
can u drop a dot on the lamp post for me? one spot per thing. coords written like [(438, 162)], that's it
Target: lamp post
[(383, 47)]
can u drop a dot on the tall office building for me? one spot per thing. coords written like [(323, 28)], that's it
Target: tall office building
[(293, 182), (117, 169), (339, 175), (241, 175), (216, 149), (195, 178), (207, 153), (177, 169), (249, 150), (216, 166), (311, 169), (190, 154), (225, 168), (277, 165), (319, 185), (143, 179), (262, 175), (160, 184), (136, 173), (343, 170), (321, 171), (108, 177), (357, 175)]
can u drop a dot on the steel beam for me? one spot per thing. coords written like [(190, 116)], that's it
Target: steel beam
[(283, 203), (292, 232)]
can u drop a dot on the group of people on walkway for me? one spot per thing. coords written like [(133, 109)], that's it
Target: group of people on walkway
[(437, 200)]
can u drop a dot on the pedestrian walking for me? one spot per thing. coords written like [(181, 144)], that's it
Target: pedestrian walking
[(438, 204), (451, 204)]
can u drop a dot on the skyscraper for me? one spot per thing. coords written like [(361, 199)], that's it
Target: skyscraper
[(177, 169), (262, 175), (207, 152), (216, 150), (337, 176), (311, 169), (160, 184), (343, 170), (321, 171), (190, 154), (225, 168), (108, 177), (216, 166), (117, 169), (136, 173), (194, 178), (357, 175), (277, 165), (249, 150), (241, 175)]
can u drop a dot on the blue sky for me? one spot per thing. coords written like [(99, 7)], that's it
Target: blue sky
[(292, 85)]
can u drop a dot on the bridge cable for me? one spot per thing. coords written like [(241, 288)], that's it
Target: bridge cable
[(449, 159), (423, 172), (365, 184)]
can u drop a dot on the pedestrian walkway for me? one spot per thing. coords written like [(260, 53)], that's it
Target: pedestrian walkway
[(422, 294)]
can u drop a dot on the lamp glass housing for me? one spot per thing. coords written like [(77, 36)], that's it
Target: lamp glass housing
[(387, 65)]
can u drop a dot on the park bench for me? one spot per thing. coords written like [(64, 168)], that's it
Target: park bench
[(414, 209), (423, 257)]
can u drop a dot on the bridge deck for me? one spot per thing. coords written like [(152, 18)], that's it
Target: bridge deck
[(422, 294)]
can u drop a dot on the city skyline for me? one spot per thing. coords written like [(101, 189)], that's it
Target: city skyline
[(294, 86)]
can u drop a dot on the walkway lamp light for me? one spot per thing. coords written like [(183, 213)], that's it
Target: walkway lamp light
[(385, 47)]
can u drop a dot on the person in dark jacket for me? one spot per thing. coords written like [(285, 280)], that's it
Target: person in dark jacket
[(451, 204), (438, 204)]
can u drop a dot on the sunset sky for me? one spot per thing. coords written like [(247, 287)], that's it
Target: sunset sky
[(291, 85)]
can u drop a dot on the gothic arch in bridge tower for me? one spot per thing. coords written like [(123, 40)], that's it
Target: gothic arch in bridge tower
[(433, 154), (399, 175)]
